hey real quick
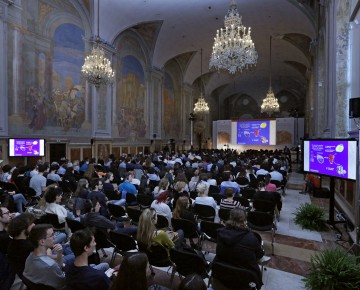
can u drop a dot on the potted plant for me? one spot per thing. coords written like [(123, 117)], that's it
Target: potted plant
[(333, 269), (310, 217)]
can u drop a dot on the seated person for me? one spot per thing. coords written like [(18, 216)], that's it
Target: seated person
[(20, 247), (79, 275), (229, 183), (92, 218), (53, 205), (148, 234), (39, 268), (229, 202), (238, 246), (203, 198), (160, 204), (132, 274), (311, 182)]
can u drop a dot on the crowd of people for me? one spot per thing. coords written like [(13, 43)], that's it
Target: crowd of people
[(176, 182)]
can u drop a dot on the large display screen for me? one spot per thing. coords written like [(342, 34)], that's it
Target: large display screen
[(26, 147), (332, 157), (256, 132)]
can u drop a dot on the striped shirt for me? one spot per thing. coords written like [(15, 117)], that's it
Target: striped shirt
[(229, 204)]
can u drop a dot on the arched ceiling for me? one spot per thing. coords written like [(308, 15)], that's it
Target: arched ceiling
[(185, 26)]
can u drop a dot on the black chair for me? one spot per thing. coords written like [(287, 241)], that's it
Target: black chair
[(134, 215), (243, 201), (122, 244), (213, 189), (131, 200), (355, 250), (232, 277), (262, 221), (66, 188), (217, 196), (9, 186), (224, 214), (204, 212), (74, 225), (117, 212), (189, 228), (264, 205), (248, 193), (153, 184), (209, 230), (186, 263), (262, 262), (111, 194), (144, 200), (102, 240), (33, 286), (162, 222), (50, 182), (157, 255), (51, 218)]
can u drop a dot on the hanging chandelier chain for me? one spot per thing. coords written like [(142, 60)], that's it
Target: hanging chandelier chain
[(97, 67), (270, 103)]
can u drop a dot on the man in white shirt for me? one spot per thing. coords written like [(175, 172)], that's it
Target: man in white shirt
[(275, 174), (38, 181)]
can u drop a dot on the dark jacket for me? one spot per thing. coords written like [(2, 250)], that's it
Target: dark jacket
[(240, 248)]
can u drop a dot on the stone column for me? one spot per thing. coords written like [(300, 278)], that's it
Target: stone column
[(3, 71)]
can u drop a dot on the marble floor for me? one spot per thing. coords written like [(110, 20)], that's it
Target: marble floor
[(293, 246)]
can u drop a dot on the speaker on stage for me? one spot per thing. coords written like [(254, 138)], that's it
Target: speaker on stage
[(354, 108)]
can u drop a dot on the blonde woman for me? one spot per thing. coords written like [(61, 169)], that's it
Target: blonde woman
[(179, 191), (161, 187), (147, 234)]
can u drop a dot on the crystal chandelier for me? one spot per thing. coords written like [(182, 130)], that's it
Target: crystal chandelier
[(201, 107), (97, 68), (233, 48), (270, 104)]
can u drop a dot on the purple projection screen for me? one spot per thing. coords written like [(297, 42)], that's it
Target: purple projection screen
[(335, 157), (256, 132), (26, 147)]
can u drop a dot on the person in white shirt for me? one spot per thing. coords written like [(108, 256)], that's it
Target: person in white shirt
[(160, 204), (275, 174), (203, 198)]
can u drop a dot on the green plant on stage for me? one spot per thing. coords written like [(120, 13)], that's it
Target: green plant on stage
[(332, 270), (310, 217)]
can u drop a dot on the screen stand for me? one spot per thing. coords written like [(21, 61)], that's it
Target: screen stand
[(331, 221)]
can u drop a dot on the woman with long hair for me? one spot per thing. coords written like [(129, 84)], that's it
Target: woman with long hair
[(147, 234), (238, 246), (79, 197), (161, 187), (132, 274)]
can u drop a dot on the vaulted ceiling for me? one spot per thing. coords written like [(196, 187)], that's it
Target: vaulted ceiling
[(178, 29)]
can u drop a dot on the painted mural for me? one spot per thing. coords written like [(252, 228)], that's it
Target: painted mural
[(130, 100), (59, 107), (171, 110)]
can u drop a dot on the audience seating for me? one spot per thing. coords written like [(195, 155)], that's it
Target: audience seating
[(74, 225), (134, 215), (232, 277), (157, 255), (102, 240), (262, 262), (33, 286), (144, 200), (243, 201), (186, 263), (162, 222), (213, 189), (224, 214), (262, 221), (112, 194), (122, 244), (209, 230), (131, 200), (217, 196), (51, 218), (117, 212), (264, 206), (248, 193), (189, 228), (204, 212)]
